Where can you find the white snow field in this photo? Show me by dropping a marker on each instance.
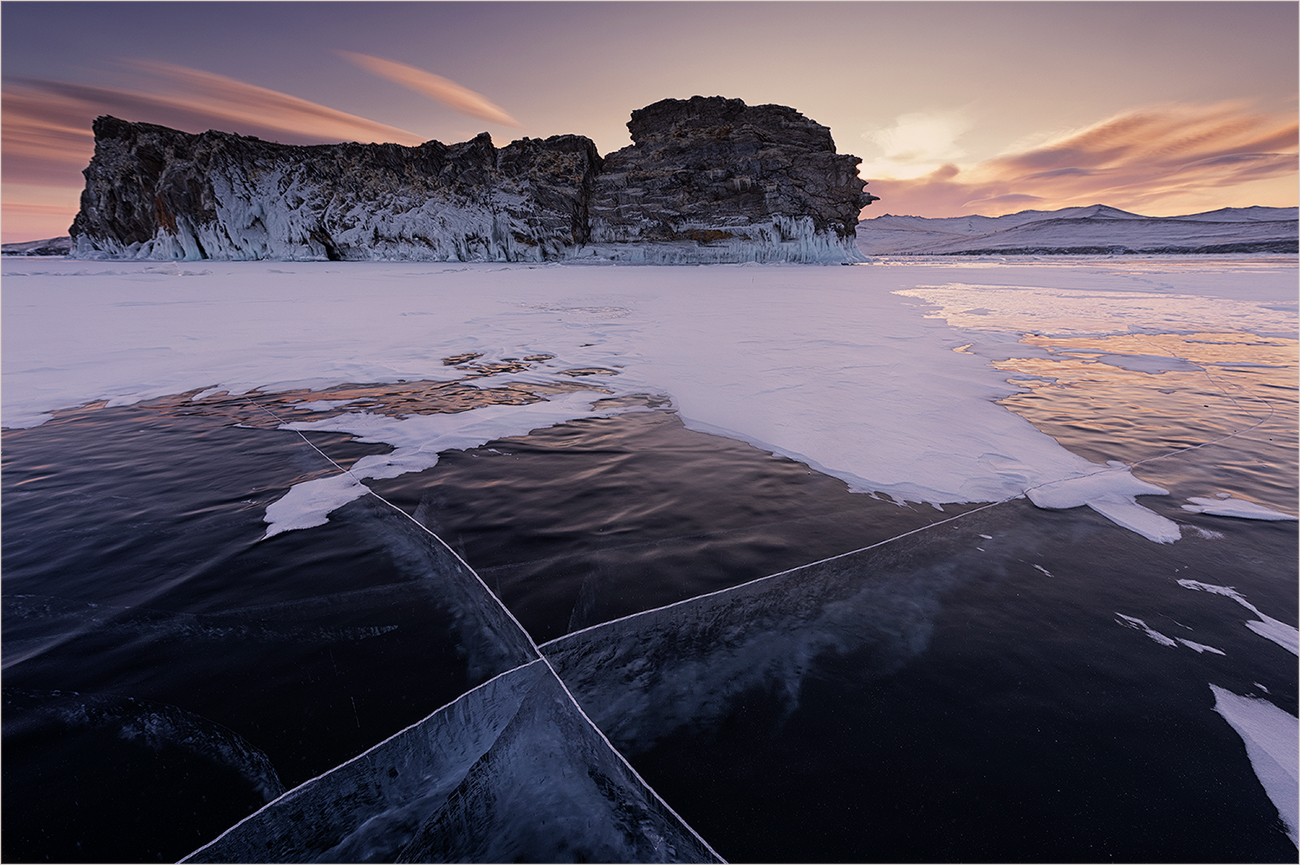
(866, 373)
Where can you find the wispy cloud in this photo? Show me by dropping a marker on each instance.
(916, 145)
(1159, 159)
(47, 138)
(198, 100)
(436, 87)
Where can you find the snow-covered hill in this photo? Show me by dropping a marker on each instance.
(1083, 230)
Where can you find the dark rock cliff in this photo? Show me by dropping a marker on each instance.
(706, 179)
(716, 171)
(154, 192)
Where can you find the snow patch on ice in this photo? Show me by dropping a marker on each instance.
(1267, 627)
(1139, 625)
(1272, 740)
(1199, 648)
(825, 365)
(1234, 507)
(1110, 493)
(310, 503)
(417, 441)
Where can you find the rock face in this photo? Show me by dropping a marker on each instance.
(706, 180)
(154, 192)
(711, 178)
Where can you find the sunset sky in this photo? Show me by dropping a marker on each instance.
(1160, 108)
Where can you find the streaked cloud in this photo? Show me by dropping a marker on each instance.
(1158, 160)
(36, 211)
(47, 140)
(196, 100)
(435, 87)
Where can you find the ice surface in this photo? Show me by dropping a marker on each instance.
(645, 676)
(511, 771)
(825, 365)
(156, 726)
(1272, 740)
(551, 789)
(418, 439)
(1267, 627)
(1234, 507)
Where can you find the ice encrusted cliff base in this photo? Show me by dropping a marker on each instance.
(706, 180)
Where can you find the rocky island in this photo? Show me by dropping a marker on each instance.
(706, 180)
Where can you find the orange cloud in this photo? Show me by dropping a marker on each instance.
(239, 103)
(45, 130)
(1160, 160)
(436, 87)
(36, 213)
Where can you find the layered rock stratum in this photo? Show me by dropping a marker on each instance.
(705, 180)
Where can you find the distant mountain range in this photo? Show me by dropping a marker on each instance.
(1094, 230)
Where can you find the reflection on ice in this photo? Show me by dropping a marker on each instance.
(1063, 310)
(511, 771)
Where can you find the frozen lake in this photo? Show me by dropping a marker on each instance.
(912, 560)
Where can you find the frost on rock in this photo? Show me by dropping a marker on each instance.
(511, 771)
(707, 180)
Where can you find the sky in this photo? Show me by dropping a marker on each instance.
(955, 108)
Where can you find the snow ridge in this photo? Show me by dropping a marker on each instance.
(1096, 229)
